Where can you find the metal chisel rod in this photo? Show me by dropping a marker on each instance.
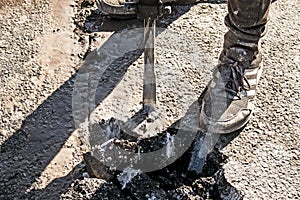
(149, 87)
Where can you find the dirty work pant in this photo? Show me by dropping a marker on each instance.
(246, 21)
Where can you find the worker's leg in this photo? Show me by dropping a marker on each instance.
(246, 21)
(228, 102)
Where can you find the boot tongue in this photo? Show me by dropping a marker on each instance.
(245, 57)
(239, 54)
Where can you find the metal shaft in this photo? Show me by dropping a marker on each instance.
(149, 87)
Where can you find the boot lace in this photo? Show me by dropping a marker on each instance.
(234, 77)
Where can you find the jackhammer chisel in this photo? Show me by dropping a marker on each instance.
(149, 85)
(149, 11)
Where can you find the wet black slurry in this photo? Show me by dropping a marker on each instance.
(173, 181)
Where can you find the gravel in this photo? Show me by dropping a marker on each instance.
(42, 46)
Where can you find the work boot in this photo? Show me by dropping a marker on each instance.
(228, 103)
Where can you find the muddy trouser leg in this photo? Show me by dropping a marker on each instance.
(246, 21)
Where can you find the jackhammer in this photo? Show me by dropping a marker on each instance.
(149, 11)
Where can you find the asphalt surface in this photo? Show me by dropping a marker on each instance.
(41, 50)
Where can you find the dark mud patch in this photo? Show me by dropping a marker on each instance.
(171, 182)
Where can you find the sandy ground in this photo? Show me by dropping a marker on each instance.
(42, 46)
